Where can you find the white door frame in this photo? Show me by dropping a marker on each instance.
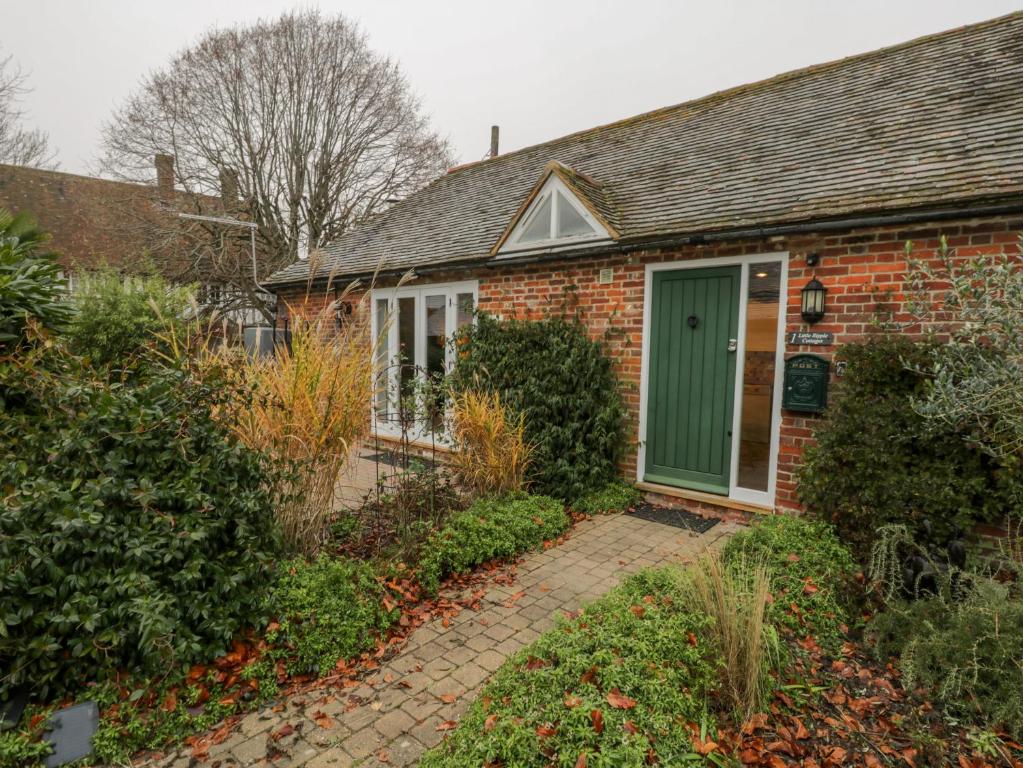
(763, 498)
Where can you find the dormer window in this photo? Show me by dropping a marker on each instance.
(554, 217)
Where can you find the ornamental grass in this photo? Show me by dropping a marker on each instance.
(310, 409)
(491, 454)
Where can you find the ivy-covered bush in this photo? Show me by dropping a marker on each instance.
(563, 384)
(134, 530)
(119, 319)
(811, 573)
(327, 609)
(490, 528)
(877, 461)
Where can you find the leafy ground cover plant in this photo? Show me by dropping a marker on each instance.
(136, 531)
(615, 496)
(489, 529)
(564, 386)
(491, 454)
(328, 609)
(613, 687)
(878, 461)
(810, 573)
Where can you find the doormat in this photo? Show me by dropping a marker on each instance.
(677, 518)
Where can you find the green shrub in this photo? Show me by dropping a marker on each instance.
(967, 653)
(563, 384)
(119, 319)
(489, 529)
(327, 609)
(31, 288)
(877, 461)
(134, 530)
(19, 751)
(635, 642)
(616, 496)
(810, 570)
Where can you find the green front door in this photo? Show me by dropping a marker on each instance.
(694, 320)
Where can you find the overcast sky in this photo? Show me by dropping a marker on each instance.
(537, 68)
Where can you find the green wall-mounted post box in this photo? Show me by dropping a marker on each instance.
(806, 383)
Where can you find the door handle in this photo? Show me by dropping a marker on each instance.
(733, 344)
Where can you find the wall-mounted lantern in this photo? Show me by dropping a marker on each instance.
(812, 308)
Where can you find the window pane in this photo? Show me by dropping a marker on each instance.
(758, 375)
(436, 341)
(464, 309)
(539, 225)
(382, 374)
(570, 223)
(406, 345)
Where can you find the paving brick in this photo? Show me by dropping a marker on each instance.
(394, 724)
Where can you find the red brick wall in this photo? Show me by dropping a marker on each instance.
(861, 269)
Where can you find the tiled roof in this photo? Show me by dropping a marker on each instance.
(933, 122)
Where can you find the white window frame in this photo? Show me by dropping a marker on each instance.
(419, 293)
(735, 493)
(512, 244)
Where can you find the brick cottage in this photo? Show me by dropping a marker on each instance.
(689, 239)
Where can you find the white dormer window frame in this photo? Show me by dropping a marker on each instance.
(554, 193)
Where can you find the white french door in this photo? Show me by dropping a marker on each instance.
(414, 327)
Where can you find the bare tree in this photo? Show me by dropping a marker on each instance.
(19, 145)
(294, 123)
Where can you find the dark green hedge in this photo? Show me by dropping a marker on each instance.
(133, 529)
(877, 461)
(564, 384)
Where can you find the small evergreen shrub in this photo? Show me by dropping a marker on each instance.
(328, 609)
(966, 652)
(490, 528)
(810, 573)
(613, 687)
(616, 496)
(31, 288)
(135, 532)
(564, 386)
(119, 319)
(19, 751)
(877, 461)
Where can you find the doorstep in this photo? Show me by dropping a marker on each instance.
(708, 499)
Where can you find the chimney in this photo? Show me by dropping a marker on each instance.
(495, 132)
(165, 175)
(229, 187)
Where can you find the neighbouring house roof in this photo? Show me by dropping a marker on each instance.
(95, 222)
(934, 122)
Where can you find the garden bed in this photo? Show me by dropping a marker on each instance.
(637, 679)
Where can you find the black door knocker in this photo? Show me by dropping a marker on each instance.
(693, 321)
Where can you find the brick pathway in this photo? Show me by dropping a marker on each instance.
(441, 669)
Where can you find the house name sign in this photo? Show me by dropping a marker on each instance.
(812, 338)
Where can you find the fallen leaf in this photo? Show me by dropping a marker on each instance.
(490, 722)
(449, 698)
(581, 762)
(171, 702)
(323, 720)
(597, 719)
(638, 611)
(546, 731)
(286, 730)
(383, 756)
(618, 701)
(629, 727)
(447, 725)
(572, 701)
